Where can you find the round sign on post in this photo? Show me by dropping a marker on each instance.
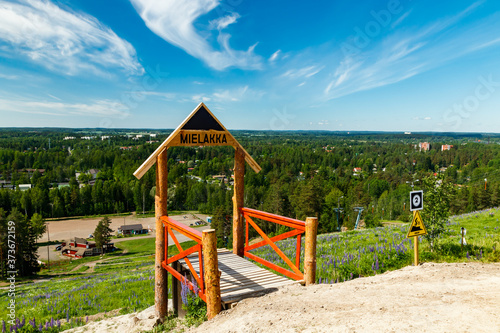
(416, 200)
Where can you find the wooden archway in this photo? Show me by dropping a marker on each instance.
(200, 128)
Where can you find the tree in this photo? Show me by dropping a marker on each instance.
(437, 197)
(102, 233)
(37, 225)
(23, 245)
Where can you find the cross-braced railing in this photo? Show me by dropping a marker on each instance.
(299, 227)
(169, 225)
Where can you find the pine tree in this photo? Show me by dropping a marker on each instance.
(102, 232)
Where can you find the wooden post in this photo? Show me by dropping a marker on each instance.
(310, 250)
(161, 277)
(177, 290)
(415, 244)
(211, 272)
(238, 227)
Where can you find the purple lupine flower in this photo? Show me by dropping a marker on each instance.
(184, 291)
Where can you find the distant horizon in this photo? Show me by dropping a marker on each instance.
(104, 129)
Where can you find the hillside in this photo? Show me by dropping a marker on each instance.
(457, 297)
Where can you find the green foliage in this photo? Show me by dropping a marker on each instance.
(37, 224)
(437, 197)
(372, 221)
(102, 232)
(18, 244)
(196, 310)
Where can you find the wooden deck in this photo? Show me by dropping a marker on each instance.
(240, 278)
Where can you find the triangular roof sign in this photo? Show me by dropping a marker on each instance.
(200, 128)
(417, 227)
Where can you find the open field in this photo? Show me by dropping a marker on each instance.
(65, 229)
(122, 282)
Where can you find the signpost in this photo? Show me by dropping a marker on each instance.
(417, 227)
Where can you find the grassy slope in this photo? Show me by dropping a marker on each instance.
(125, 281)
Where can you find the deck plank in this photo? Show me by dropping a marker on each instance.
(241, 278)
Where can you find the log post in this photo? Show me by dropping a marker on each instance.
(161, 277)
(310, 250)
(211, 272)
(238, 226)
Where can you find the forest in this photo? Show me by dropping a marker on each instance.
(49, 172)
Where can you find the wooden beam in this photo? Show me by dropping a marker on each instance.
(174, 135)
(310, 250)
(190, 138)
(161, 276)
(238, 228)
(212, 274)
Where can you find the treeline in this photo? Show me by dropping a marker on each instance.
(303, 174)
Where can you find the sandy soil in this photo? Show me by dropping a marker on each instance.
(66, 229)
(462, 297)
(129, 323)
(429, 298)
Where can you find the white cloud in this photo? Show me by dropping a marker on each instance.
(274, 56)
(202, 98)
(9, 77)
(407, 53)
(238, 94)
(63, 41)
(99, 108)
(304, 72)
(223, 22)
(174, 22)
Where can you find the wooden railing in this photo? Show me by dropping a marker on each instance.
(169, 225)
(298, 228)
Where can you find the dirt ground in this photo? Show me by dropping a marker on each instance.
(66, 229)
(460, 297)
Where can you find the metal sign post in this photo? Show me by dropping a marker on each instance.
(417, 227)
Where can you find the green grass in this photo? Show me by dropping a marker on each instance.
(344, 256)
(125, 279)
(122, 281)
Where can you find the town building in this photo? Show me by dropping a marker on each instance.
(425, 146)
(132, 229)
(80, 247)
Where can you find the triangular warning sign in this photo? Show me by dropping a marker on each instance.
(417, 227)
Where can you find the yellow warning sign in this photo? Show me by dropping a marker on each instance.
(417, 227)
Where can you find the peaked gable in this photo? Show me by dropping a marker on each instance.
(200, 128)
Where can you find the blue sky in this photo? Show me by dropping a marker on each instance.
(280, 65)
